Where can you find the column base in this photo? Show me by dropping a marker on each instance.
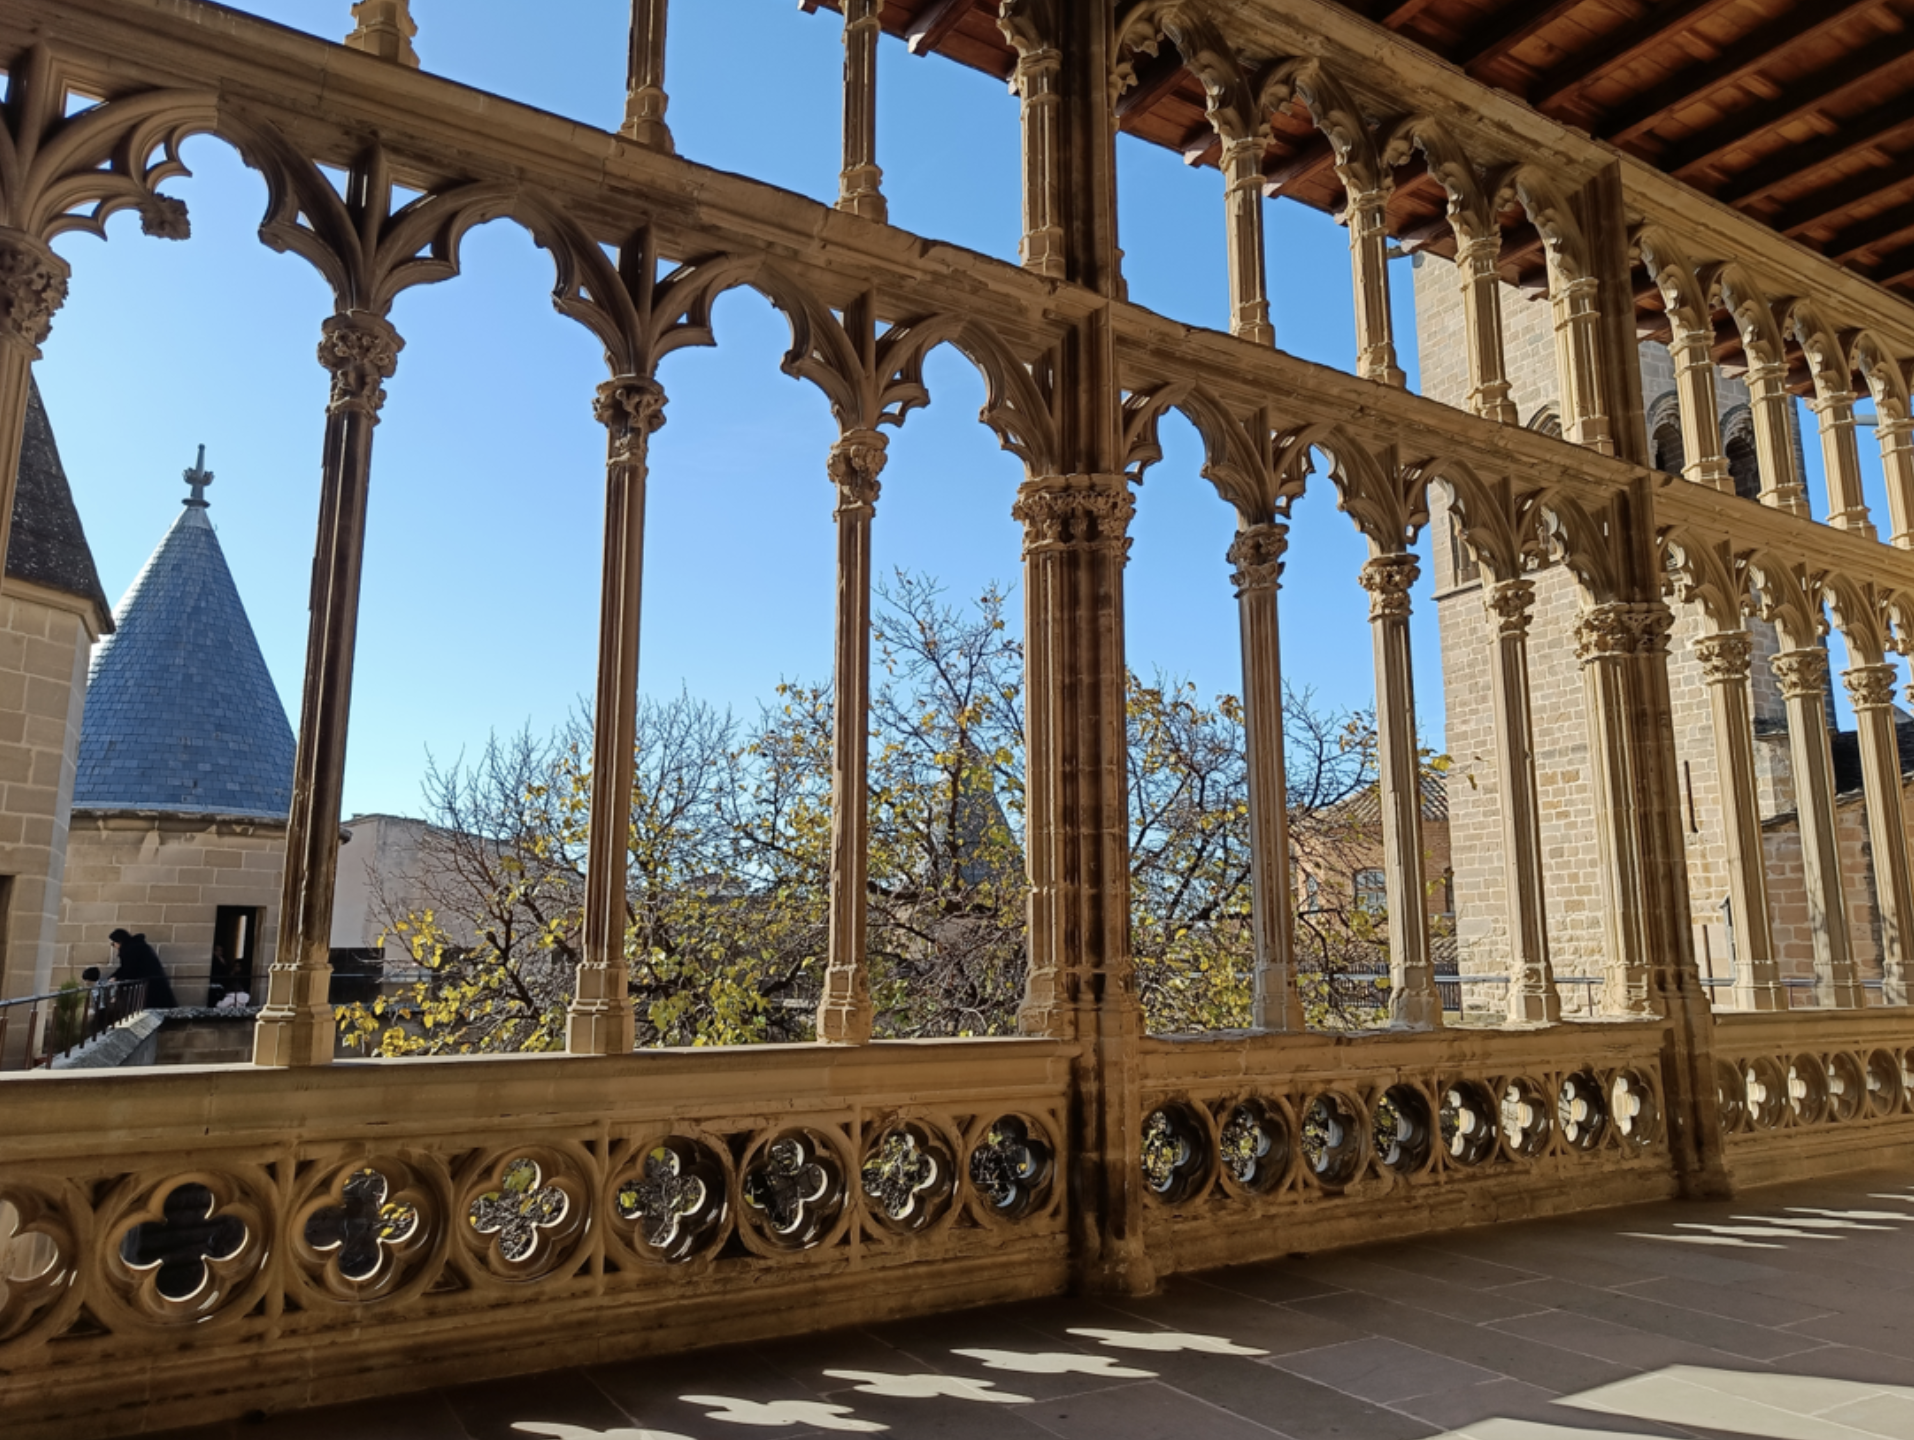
(844, 1024)
(600, 1027)
(1409, 1010)
(1535, 1007)
(1767, 997)
(288, 1038)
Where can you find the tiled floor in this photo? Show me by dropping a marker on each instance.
(1786, 1315)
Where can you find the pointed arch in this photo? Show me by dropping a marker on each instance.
(1502, 525)
(1708, 573)
(1389, 502)
(1238, 454)
(1017, 405)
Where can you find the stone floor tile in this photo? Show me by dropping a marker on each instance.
(650, 1391)
(1655, 1317)
(1773, 1405)
(1205, 1310)
(1295, 1406)
(1144, 1412)
(1439, 1297)
(1436, 1261)
(1891, 1416)
(1511, 1400)
(406, 1417)
(491, 1409)
(1383, 1371)
(1619, 1344)
(1275, 1281)
(1741, 1304)
(1852, 1362)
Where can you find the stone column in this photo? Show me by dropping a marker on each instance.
(1369, 252)
(1476, 258)
(386, 29)
(1533, 998)
(1039, 66)
(860, 186)
(645, 98)
(1725, 663)
(1896, 435)
(1257, 556)
(1771, 408)
(1871, 687)
(630, 408)
(1841, 457)
(844, 1009)
(1607, 637)
(1700, 412)
(33, 287)
(1578, 361)
(1414, 1001)
(361, 350)
(1248, 281)
(1803, 676)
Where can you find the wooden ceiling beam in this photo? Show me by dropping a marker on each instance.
(1860, 133)
(1814, 91)
(1308, 161)
(1156, 77)
(1894, 268)
(1625, 43)
(1507, 29)
(1393, 16)
(1870, 232)
(1743, 58)
(1823, 204)
(934, 23)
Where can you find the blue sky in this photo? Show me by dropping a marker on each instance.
(481, 585)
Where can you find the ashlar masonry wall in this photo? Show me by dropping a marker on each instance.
(1564, 782)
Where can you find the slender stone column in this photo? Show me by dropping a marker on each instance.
(601, 1021)
(844, 1010)
(1414, 1001)
(1896, 435)
(1841, 458)
(1803, 676)
(1257, 556)
(1771, 408)
(1369, 253)
(860, 186)
(1725, 665)
(1035, 80)
(296, 1027)
(1578, 361)
(1076, 544)
(645, 98)
(1248, 281)
(33, 287)
(1607, 638)
(1871, 687)
(1700, 412)
(1476, 259)
(1533, 998)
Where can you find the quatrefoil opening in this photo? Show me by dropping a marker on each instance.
(366, 1230)
(1580, 1111)
(1176, 1153)
(1010, 1167)
(32, 1265)
(184, 1250)
(1526, 1121)
(1467, 1121)
(1253, 1145)
(1404, 1131)
(906, 1178)
(795, 1190)
(520, 1215)
(1335, 1142)
(1632, 1108)
(1731, 1093)
(674, 1200)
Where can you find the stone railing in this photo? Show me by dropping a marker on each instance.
(1808, 1092)
(1266, 1146)
(405, 1221)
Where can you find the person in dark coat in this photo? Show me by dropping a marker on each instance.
(139, 961)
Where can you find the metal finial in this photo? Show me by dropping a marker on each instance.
(199, 477)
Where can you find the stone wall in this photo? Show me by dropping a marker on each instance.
(1571, 857)
(46, 641)
(166, 877)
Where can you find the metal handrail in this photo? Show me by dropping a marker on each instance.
(60, 1021)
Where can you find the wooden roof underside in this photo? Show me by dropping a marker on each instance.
(1799, 113)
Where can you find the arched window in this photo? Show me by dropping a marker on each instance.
(1547, 421)
(1664, 427)
(1737, 443)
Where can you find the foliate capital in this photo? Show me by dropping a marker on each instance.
(1870, 687)
(1802, 674)
(361, 350)
(1075, 512)
(33, 286)
(1617, 630)
(1726, 657)
(632, 408)
(1512, 603)
(1257, 555)
(857, 460)
(1388, 579)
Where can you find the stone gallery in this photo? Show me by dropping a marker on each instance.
(1642, 933)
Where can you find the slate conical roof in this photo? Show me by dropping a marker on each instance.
(181, 713)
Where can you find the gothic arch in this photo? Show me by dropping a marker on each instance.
(1664, 432)
(1016, 407)
(1388, 501)
(1731, 288)
(1237, 457)
(1502, 525)
(1470, 213)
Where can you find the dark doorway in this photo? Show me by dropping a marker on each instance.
(235, 938)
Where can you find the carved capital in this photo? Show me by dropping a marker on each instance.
(1388, 579)
(1257, 555)
(1617, 630)
(1725, 657)
(362, 352)
(1802, 674)
(1075, 512)
(1512, 603)
(856, 462)
(33, 284)
(1870, 687)
(632, 409)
